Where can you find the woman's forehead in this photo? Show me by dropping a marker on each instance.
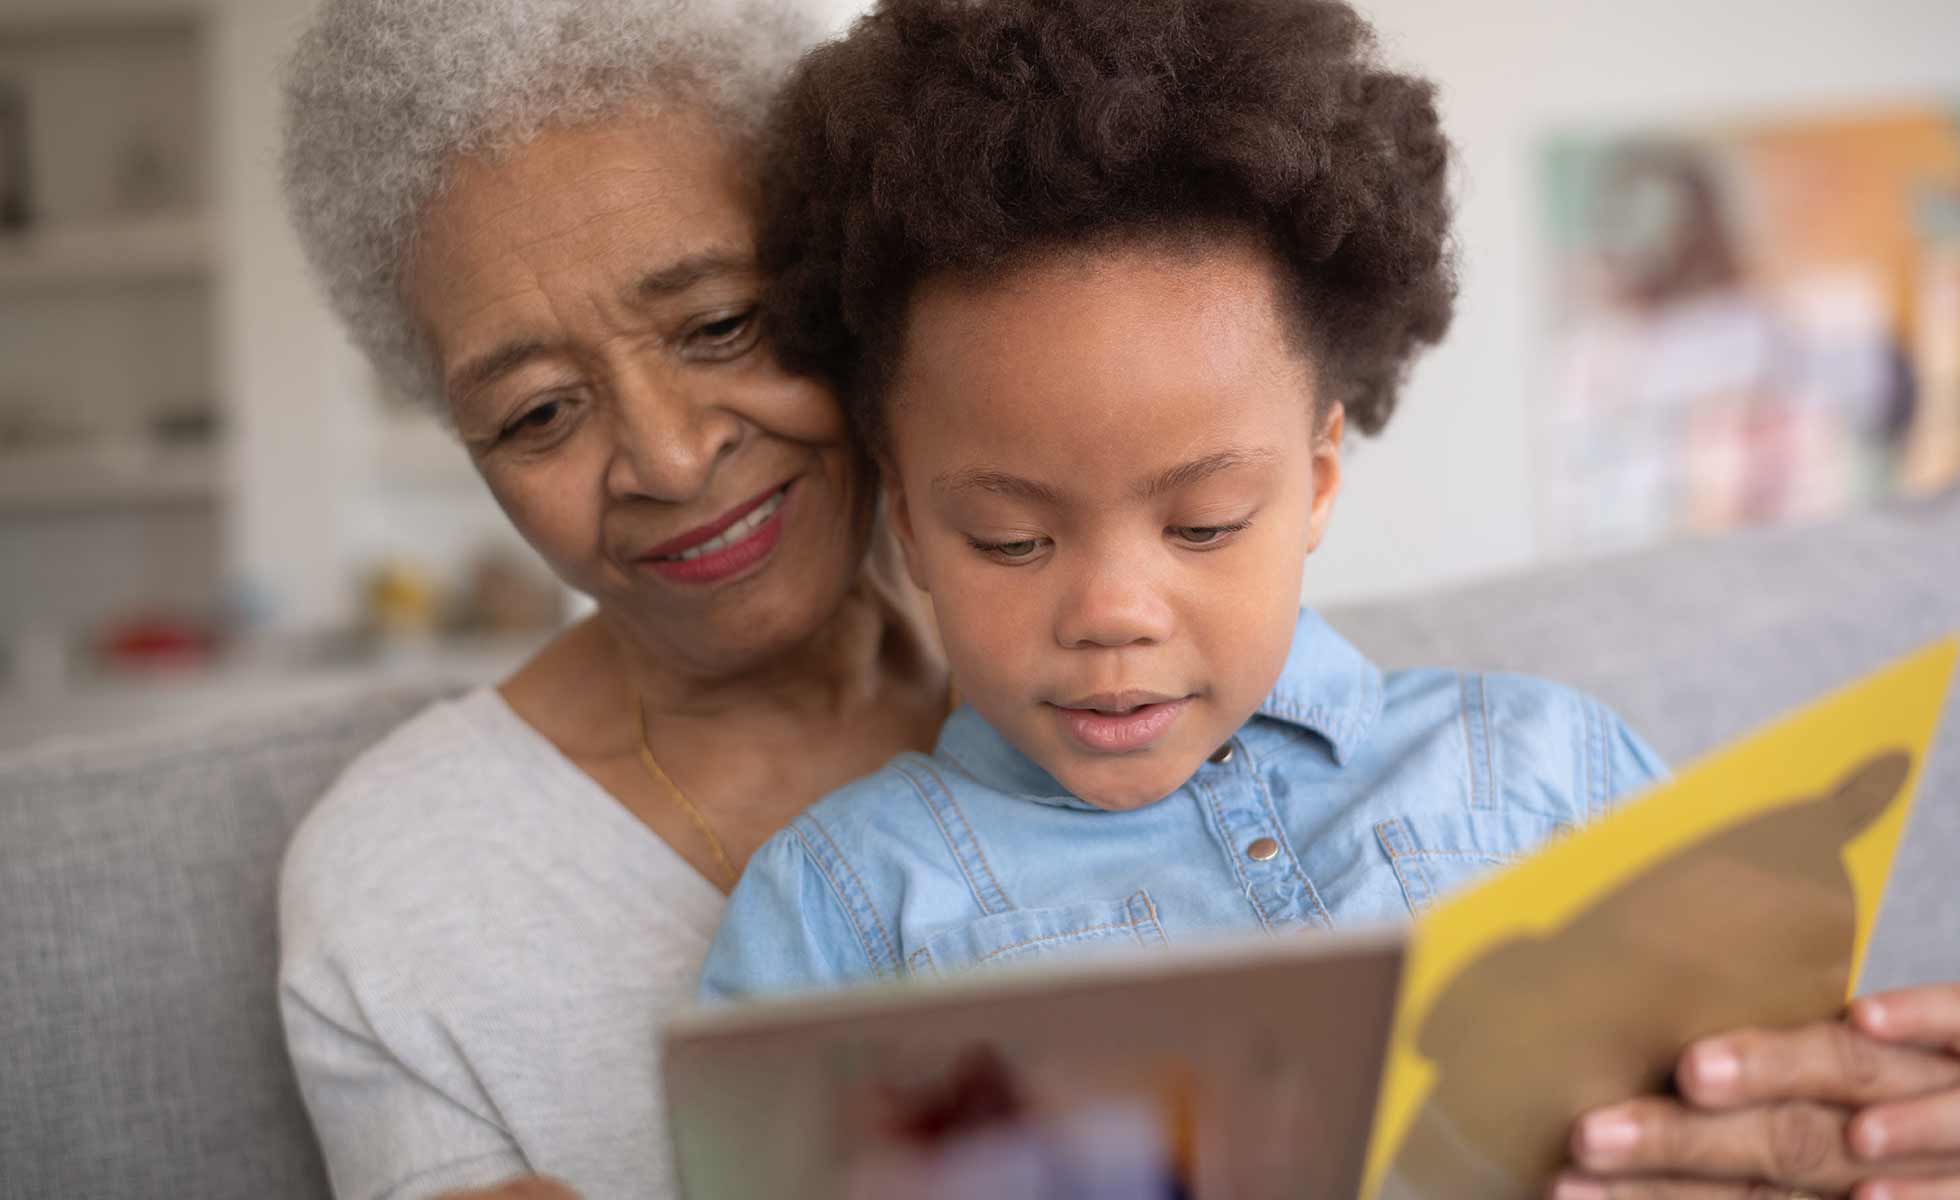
(579, 228)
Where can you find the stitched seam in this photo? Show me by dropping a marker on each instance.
(1596, 802)
(1336, 726)
(1389, 832)
(1479, 856)
(1224, 834)
(979, 851)
(1286, 735)
(1469, 743)
(923, 955)
(1605, 758)
(1232, 856)
(1382, 832)
(837, 890)
(1292, 859)
(1065, 935)
(891, 952)
(1150, 906)
(1591, 743)
(932, 809)
(1416, 858)
(1408, 891)
(1428, 880)
(1490, 763)
(1582, 765)
(1584, 781)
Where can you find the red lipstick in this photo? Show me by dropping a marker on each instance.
(727, 546)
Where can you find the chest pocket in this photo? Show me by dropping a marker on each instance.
(1435, 854)
(1027, 934)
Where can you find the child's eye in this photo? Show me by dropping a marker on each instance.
(1009, 552)
(1205, 535)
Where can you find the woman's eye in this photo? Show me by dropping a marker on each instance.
(538, 419)
(725, 337)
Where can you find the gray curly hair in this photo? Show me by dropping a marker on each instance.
(384, 96)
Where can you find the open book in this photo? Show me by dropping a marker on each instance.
(1448, 1059)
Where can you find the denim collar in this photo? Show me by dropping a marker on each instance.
(1327, 688)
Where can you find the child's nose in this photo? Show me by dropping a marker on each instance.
(1110, 606)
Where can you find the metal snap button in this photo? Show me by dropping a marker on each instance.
(1222, 755)
(1263, 850)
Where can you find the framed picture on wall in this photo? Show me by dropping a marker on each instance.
(1752, 323)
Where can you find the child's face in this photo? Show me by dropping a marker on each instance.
(1107, 475)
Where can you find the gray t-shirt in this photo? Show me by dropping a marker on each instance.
(477, 945)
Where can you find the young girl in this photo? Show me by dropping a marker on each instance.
(1115, 277)
(1107, 281)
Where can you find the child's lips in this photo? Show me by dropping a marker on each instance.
(1120, 724)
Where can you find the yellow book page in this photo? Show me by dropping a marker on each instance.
(1741, 892)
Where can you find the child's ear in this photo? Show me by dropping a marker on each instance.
(898, 510)
(1326, 473)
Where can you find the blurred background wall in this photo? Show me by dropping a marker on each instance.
(1450, 490)
(203, 503)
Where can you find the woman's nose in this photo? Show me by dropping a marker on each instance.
(1112, 604)
(668, 439)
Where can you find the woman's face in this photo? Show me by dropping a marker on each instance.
(592, 300)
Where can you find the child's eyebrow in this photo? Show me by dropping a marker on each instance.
(1199, 469)
(1183, 475)
(1000, 483)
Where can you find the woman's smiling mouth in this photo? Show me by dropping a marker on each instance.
(726, 547)
(1119, 723)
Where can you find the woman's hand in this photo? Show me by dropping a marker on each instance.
(1868, 1106)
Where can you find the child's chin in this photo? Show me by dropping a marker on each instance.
(1123, 795)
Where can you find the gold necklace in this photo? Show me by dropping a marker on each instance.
(687, 806)
(673, 789)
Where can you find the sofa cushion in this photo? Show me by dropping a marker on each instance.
(1700, 641)
(140, 1047)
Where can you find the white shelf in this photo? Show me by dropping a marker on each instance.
(244, 684)
(174, 246)
(106, 478)
(78, 19)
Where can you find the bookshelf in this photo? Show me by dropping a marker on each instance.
(104, 253)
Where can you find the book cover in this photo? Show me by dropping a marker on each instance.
(1742, 892)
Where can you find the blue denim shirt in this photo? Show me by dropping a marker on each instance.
(1352, 796)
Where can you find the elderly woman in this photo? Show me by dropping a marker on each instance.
(538, 217)
(535, 216)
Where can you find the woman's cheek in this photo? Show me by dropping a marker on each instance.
(796, 408)
(555, 516)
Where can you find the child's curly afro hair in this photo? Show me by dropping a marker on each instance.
(963, 135)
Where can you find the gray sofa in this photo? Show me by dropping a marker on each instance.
(140, 1052)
